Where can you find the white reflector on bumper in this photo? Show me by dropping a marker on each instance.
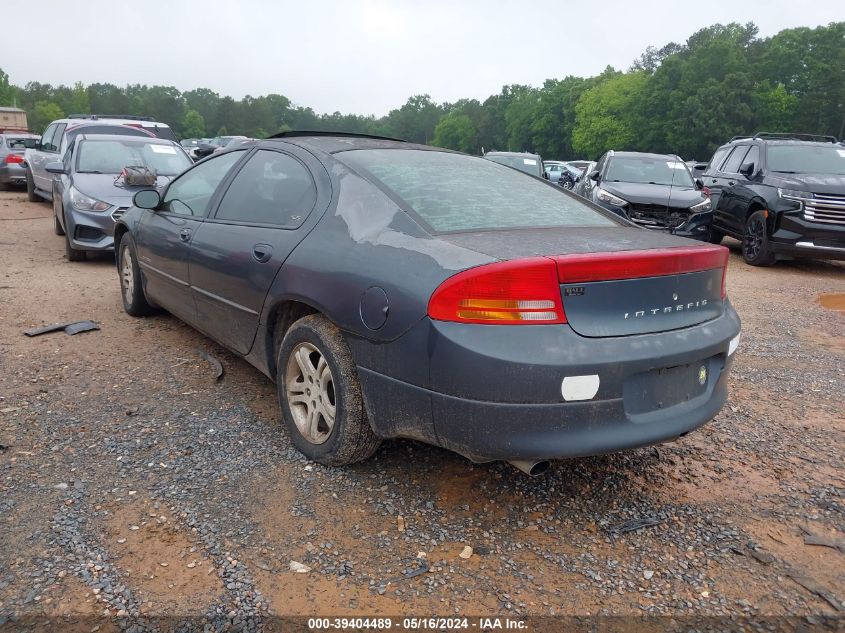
(579, 387)
(733, 344)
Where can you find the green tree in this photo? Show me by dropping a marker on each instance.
(42, 114)
(6, 91)
(606, 117)
(456, 131)
(222, 131)
(193, 125)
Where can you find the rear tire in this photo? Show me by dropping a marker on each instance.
(320, 396)
(30, 188)
(4, 186)
(131, 289)
(756, 250)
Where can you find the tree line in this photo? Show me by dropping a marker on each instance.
(680, 98)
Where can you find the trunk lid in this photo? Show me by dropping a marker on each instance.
(619, 282)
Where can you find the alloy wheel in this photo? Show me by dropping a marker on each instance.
(127, 275)
(755, 233)
(310, 393)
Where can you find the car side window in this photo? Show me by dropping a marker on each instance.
(68, 157)
(753, 156)
(271, 188)
(56, 143)
(716, 161)
(734, 161)
(47, 137)
(190, 193)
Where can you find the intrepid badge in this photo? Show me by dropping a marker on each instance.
(692, 305)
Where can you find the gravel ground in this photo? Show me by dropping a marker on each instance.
(133, 485)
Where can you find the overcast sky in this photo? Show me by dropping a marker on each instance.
(360, 56)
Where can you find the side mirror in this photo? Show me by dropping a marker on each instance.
(699, 167)
(699, 184)
(577, 178)
(147, 199)
(747, 170)
(594, 175)
(546, 175)
(55, 168)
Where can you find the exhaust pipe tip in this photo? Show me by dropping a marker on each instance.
(530, 467)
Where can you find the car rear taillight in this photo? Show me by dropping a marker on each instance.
(527, 291)
(13, 158)
(588, 267)
(515, 292)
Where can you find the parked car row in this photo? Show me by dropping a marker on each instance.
(398, 290)
(79, 165)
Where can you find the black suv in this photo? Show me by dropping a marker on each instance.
(782, 195)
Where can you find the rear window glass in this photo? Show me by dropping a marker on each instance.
(454, 192)
(21, 143)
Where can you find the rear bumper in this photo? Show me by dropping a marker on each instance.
(499, 395)
(11, 173)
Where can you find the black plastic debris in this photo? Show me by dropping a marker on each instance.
(74, 327)
(218, 366)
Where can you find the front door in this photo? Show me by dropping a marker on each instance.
(165, 234)
(237, 252)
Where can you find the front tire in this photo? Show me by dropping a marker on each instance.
(320, 396)
(30, 188)
(715, 236)
(57, 226)
(131, 289)
(72, 254)
(756, 250)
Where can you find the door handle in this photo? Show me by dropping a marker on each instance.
(262, 253)
(185, 235)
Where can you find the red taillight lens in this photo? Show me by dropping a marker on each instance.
(633, 264)
(13, 158)
(516, 292)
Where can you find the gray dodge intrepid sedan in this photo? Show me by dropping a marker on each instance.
(398, 290)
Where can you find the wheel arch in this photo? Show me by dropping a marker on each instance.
(281, 316)
(758, 204)
(120, 230)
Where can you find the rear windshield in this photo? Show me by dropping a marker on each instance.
(807, 159)
(653, 171)
(110, 157)
(20, 143)
(528, 164)
(454, 192)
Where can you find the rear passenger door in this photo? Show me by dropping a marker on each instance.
(728, 177)
(237, 252)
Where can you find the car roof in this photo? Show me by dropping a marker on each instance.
(335, 144)
(20, 134)
(124, 137)
(512, 154)
(116, 120)
(644, 155)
